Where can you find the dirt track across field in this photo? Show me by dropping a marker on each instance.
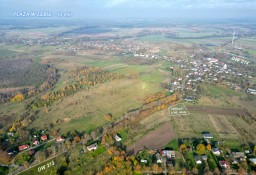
(154, 140)
(217, 110)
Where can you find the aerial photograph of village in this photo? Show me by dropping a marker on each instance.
(128, 87)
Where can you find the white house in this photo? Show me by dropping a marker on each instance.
(117, 138)
(92, 147)
(143, 161)
(158, 158)
(198, 160)
(253, 160)
(216, 151)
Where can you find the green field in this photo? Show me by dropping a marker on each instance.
(252, 52)
(173, 144)
(6, 53)
(247, 42)
(218, 91)
(234, 130)
(206, 41)
(155, 38)
(115, 97)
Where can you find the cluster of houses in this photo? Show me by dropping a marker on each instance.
(223, 159)
(233, 158)
(160, 157)
(119, 47)
(37, 140)
(35, 143)
(210, 69)
(227, 158)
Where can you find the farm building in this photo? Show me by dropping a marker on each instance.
(207, 136)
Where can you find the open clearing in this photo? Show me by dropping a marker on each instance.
(223, 123)
(155, 139)
(224, 126)
(85, 110)
(216, 110)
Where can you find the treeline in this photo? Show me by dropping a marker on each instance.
(92, 75)
(83, 78)
(7, 93)
(153, 97)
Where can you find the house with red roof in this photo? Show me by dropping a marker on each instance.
(44, 137)
(60, 139)
(23, 147)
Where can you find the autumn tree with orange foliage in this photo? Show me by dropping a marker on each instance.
(77, 139)
(18, 98)
(120, 163)
(183, 148)
(208, 147)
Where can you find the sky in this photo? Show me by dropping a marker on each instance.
(134, 9)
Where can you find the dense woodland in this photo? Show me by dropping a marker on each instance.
(21, 72)
(24, 76)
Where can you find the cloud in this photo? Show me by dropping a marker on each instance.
(135, 8)
(113, 3)
(182, 4)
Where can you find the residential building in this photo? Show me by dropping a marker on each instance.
(44, 137)
(23, 147)
(118, 139)
(92, 147)
(224, 164)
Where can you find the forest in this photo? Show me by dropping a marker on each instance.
(21, 72)
(24, 76)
